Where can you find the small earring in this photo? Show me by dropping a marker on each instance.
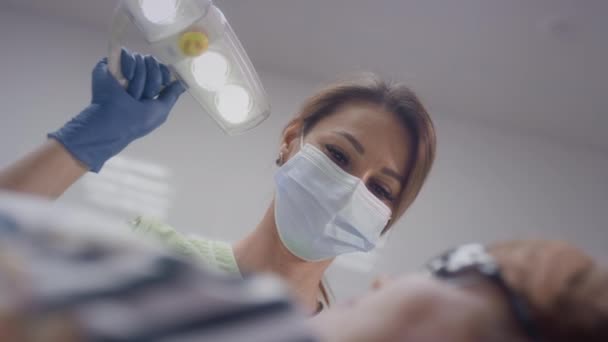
(279, 160)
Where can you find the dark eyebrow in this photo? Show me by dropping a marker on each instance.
(356, 144)
(394, 174)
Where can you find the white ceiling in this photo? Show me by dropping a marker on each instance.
(536, 66)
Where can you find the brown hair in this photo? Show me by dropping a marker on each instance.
(393, 97)
(566, 289)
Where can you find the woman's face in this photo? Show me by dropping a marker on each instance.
(367, 142)
(422, 309)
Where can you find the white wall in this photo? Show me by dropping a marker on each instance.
(488, 183)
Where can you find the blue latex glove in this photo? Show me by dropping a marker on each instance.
(117, 116)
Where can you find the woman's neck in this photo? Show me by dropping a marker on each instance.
(263, 251)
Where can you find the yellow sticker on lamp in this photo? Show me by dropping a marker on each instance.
(193, 43)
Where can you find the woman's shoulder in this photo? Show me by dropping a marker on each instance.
(213, 253)
(164, 233)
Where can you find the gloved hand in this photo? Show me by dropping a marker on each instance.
(117, 116)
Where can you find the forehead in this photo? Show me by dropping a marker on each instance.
(383, 134)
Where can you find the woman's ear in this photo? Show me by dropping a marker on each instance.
(291, 137)
(283, 151)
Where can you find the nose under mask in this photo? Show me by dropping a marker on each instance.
(321, 211)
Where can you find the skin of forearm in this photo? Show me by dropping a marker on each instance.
(47, 171)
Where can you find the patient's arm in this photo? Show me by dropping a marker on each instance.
(47, 171)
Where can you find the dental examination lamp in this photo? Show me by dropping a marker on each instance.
(195, 40)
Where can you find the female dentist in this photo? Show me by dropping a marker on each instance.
(350, 163)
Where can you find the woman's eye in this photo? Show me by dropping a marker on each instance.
(381, 192)
(337, 156)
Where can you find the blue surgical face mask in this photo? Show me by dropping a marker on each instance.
(321, 211)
